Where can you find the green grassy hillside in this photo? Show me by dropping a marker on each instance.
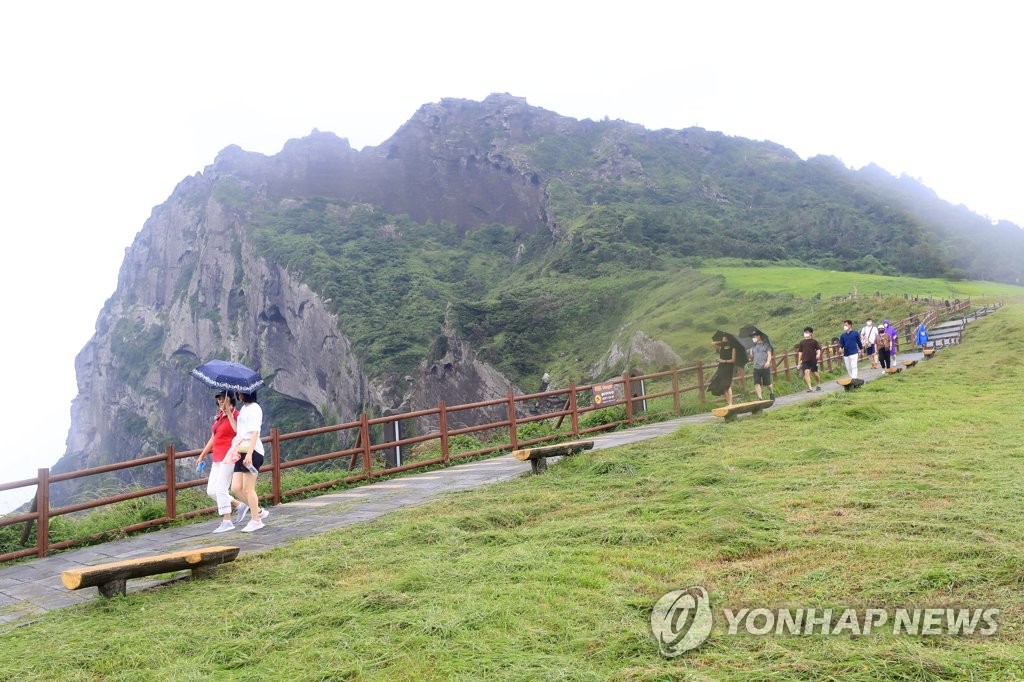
(903, 494)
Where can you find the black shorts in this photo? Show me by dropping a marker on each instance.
(809, 364)
(257, 461)
(763, 376)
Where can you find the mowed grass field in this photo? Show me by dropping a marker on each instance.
(807, 282)
(906, 493)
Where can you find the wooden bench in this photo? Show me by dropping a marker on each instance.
(538, 456)
(893, 370)
(112, 578)
(928, 353)
(730, 412)
(847, 383)
(909, 363)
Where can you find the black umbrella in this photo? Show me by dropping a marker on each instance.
(733, 341)
(747, 331)
(228, 376)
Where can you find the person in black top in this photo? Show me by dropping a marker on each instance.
(728, 351)
(808, 355)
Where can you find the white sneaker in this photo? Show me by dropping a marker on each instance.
(224, 527)
(264, 513)
(243, 509)
(253, 524)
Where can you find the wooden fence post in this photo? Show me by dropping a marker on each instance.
(513, 436)
(275, 465)
(364, 432)
(43, 508)
(785, 364)
(442, 426)
(171, 479)
(677, 408)
(627, 390)
(700, 381)
(574, 414)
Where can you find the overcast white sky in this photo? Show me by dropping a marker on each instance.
(108, 105)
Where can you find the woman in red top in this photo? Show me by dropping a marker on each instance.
(219, 483)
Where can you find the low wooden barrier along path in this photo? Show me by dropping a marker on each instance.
(111, 579)
(537, 457)
(731, 411)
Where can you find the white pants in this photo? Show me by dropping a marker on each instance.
(219, 485)
(851, 365)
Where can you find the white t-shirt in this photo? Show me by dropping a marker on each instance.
(250, 420)
(869, 334)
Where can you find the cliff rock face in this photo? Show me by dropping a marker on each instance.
(192, 288)
(456, 376)
(639, 352)
(447, 163)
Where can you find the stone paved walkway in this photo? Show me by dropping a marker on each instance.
(34, 587)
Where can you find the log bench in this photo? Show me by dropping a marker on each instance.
(928, 353)
(893, 370)
(909, 363)
(112, 578)
(538, 456)
(847, 383)
(730, 412)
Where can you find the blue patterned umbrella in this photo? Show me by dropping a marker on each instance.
(228, 376)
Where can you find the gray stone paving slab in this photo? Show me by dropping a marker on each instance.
(57, 599)
(30, 591)
(33, 587)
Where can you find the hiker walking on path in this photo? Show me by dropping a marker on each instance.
(850, 346)
(247, 454)
(894, 344)
(884, 343)
(868, 336)
(728, 350)
(224, 429)
(762, 353)
(921, 336)
(808, 355)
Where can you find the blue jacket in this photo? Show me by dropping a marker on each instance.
(922, 336)
(850, 343)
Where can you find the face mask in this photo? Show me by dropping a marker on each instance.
(806, 335)
(845, 328)
(869, 323)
